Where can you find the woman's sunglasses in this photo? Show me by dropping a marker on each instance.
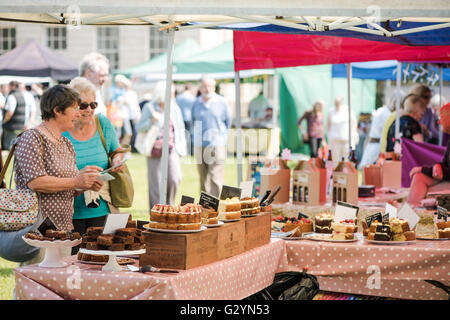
(85, 105)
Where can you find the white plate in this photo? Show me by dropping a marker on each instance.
(213, 225)
(119, 261)
(230, 220)
(174, 231)
(326, 237)
(434, 239)
(52, 244)
(390, 243)
(112, 253)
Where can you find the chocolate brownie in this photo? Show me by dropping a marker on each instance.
(94, 231)
(92, 245)
(95, 258)
(134, 246)
(105, 239)
(126, 232)
(132, 224)
(117, 247)
(125, 240)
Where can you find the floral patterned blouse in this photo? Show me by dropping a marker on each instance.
(58, 160)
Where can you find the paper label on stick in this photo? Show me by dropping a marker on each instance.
(408, 214)
(115, 221)
(247, 189)
(208, 201)
(345, 211)
(391, 211)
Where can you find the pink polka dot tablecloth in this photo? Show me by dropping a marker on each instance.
(397, 271)
(233, 278)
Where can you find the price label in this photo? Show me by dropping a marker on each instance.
(374, 217)
(408, 214)
(209, 201)
(442, 213)
(345, 211)
(247, 189)
(230, 192)
(115, 221)
(186, 199)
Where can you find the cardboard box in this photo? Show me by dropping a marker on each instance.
(309, 183)
(345, 183)
(391, 174)
(372, 176)
(230, 239)
(274, 173)
(257, 230)
(180, 251)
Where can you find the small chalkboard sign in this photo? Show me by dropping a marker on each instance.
(386, 218)
(141, 224)
(230, 192)
(442, 213)
(45, 225)
(374, 217)
(208, 201)
(186, 199)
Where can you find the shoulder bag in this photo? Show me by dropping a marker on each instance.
(121, 188)
(145, 140)
(19, 214)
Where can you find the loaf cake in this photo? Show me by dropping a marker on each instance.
(229, 209)
(186, 217)
(250, 206)
(322, 223)
(209, 216)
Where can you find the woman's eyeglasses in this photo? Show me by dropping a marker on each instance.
(85, 105)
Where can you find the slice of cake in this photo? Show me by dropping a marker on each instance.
(426, 227)
(382, 232)
(323, 223)
(250, 206)
(229, 209)
(306, 225)
(343, 230)
(209, 216)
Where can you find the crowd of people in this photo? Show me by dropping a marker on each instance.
(61, 156)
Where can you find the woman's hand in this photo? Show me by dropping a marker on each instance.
(414, 171)
(437, 172)
(116, 160)
(98, 184)
(87, 177)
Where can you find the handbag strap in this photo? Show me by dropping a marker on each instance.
(100, 132)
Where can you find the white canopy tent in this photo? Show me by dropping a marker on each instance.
(178, 15)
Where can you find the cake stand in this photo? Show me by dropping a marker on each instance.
(53, 257)
(112, 264)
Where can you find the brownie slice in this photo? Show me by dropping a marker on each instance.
(132, 224)
(125, 240)
(94, 231)
(105, 239)
(126, 232)
(134, 246)
(117, 247)
(92, 245)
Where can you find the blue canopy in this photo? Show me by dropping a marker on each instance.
(387, 70)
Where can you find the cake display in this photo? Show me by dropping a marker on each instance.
(209, 216)
(343, 230)
(53, 235)
(250, 206)
(286, 224)
(323, 223)
(122, 240)
(396, 230)
(187, 217)
(229, 209)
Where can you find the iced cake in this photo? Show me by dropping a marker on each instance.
(186, 217)
(323, 223)
(229, 209)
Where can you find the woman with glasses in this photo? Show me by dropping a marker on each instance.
(90, 210)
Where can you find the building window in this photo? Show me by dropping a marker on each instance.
(108, 45)
(7, 39)
(158, 42)
(57, 38)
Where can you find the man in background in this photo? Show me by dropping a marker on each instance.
(211, 118)
(15, 114)
(95, 67)
(185, 101)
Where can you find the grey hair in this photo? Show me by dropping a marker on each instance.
(435, 100)
(82, 86)
(207, 78)
(92, 62)
(159, 92)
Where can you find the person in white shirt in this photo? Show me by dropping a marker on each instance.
(372, 149)
(95, 67)
(30, 106)
(338, 136)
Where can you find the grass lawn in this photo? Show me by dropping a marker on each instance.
(190, 186)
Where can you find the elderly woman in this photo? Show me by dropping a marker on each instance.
(153, 115)
(89, 150)
(45, 160)
(425, 177)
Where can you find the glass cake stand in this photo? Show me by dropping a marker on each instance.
(112, 264)
(53, 257)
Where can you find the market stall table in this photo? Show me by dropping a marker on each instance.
(233, 278)
(396, 271)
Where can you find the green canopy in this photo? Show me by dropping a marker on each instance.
(158, 64)
(300, 87)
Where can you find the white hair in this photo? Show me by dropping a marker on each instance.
(436, 100)
(92, 61)
(159, 92)
(82, 86)
(207, 78)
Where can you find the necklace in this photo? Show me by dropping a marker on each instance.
(51, 132)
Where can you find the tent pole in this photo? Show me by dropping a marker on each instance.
(349, 94)
(168, 99)
(237, 84)
(441, 83)
(397, 103)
